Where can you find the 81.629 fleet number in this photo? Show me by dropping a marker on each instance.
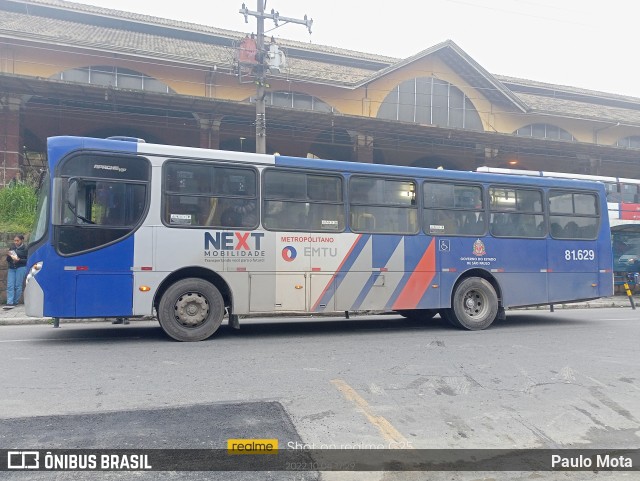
(579, 255)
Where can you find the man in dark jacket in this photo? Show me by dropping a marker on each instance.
(17, 261)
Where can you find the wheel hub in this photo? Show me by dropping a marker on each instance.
(191, 309)
(473, 303)
(469, 303)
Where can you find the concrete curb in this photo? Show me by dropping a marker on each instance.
(582, 305)
(17, 321)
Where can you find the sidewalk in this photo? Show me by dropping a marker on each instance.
(18, 316)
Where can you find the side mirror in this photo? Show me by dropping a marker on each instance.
(72, 192)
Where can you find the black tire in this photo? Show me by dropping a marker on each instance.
(191, 310)
(448, 316)
(418, 314)
(474, 305)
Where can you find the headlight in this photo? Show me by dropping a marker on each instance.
(34, 270)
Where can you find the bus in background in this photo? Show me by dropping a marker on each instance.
(130, 229)
(623, 203)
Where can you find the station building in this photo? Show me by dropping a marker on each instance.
(73, 69)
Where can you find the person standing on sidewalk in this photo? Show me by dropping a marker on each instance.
(17, 261)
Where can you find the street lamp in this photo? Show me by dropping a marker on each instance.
(242, 139)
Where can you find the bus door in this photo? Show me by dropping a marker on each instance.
(280, 283)
(282, 278)
(573, 264)
(92, 232)
(517, 255)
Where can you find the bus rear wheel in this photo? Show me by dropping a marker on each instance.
(191, 310)
(474, 305)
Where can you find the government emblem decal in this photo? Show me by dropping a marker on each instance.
(478, 248)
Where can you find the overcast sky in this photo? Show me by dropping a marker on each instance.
(592, 45)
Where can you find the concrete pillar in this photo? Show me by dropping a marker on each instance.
(209, 131)
(9, 138)
(362, 148)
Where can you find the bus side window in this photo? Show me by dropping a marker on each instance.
(447, 219)
(501, 225)
(239, 206)
(473, 224)
(326, 217)
(528, 227)
(238, 213)
(588, 231)
(211, 212)
(452, 209)
(571, 230)
(556, 230)
(363, 222)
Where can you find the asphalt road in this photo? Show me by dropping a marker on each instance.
(567, 379)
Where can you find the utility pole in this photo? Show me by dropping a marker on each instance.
(262, 67)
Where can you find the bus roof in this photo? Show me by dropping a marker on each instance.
(469, 176)
(560, 175)
(64, 144)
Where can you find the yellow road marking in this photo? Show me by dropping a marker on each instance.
(391, 434)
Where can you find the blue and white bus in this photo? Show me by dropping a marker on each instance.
(131, 229)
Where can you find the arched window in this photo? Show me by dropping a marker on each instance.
(632, 142)
(428, 100)
(544, 131)
(296, 100)
(113, 77)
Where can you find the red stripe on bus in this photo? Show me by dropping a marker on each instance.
(419, 280)
(326, 288)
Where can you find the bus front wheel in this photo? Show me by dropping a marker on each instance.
(191, 310)
(474, 305)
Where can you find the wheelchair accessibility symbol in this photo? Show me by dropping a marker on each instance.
(443, 245)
